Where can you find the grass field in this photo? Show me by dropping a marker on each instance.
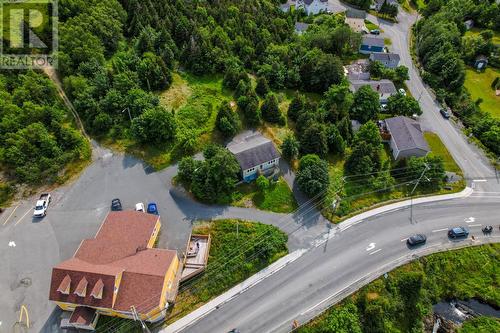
(357, 194)
(238, 250)
(371, 26)
(439, 149)
(277, 198)
(395, 307)
(194, 101)
(476, 31)
(479, 86)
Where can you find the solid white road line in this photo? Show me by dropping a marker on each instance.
(11, 213)
(375, 252)
(22, 217)
(438, 230)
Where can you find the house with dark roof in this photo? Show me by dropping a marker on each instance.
(116, 270)
(405, 137)
(384, 88)
(255, 154)
(371, 44)
(389, 60)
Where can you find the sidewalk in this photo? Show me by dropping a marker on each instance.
(204, 310)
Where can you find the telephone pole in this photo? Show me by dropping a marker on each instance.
(145, 329)
(413, 190)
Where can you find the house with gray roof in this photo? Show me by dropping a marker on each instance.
(255, 154)
(384, 88)
(310, 6)
(371, 44)
(389, 60)
(406, 138)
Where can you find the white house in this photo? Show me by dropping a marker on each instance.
(255, 154)
(311, 7)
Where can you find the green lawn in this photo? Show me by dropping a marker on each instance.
(194, 101)
(238, 250)
(479, 86)
(439, 149)
(358, 194)
(277, 198)
(476, 31)
(371, 26)
(401, 300)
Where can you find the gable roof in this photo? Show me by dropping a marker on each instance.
(373, 41)
(406, 133)
(117, 256)
(382, 87)
(384, 57)
(253, 151)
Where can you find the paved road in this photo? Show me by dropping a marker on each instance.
(350, 258)
(470, 159)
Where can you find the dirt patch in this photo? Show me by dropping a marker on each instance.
(177, 95)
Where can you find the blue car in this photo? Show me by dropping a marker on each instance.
(153, 209)
(458, 232)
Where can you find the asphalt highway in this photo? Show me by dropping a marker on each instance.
(348, 260)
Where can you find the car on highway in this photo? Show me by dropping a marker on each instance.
(116, 205)
(139, 207)
(234, 330)
(445, 113)
(458, 232)
(153, 208)
(375, 32)
(42, 204)
(416, 240)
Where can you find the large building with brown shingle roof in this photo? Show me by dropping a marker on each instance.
(116, 270)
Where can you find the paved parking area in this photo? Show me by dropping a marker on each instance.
(29, 248)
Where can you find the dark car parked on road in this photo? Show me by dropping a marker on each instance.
(445, 113)
(416, 240)
(116, 205)
(458, 232)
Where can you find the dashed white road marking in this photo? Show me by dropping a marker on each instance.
(475, 225)
(11, 213)
(370, 247)
(480, 180)
(470, 219)
(12, 244)
(438, 230)
(375, 252)
(22, 217)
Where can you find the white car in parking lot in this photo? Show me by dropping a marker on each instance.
(139, 207)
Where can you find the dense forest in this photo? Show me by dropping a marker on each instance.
(445, 52)
(37, 139)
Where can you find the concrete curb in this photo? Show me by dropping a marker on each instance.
(206, 309)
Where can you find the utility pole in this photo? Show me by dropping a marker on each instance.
(413, 190)
(128, 110)
(145, 329)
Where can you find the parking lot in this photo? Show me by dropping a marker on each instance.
(31, 246)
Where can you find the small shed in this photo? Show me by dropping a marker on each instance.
(481, 62)
(301, 27)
